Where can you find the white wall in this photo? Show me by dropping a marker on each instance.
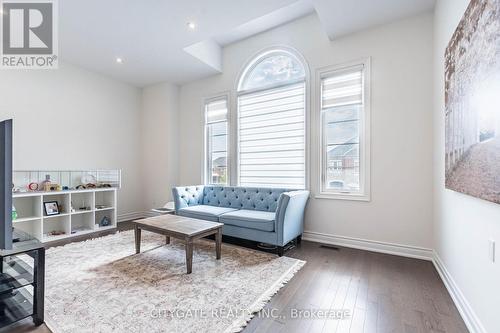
(159, 128)
(401, 207)
(463, 224)
(71, 118)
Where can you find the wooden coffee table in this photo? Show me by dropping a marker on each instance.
(183, 228)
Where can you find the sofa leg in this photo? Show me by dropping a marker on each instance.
(299, 239)
(281, 251)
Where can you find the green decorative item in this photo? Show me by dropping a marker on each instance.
(14, 213)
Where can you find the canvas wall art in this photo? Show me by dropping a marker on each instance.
(472, 99)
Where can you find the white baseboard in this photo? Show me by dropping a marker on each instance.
(132, 216)
(370, 245)
(468, 315)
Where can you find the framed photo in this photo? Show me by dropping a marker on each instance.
(51, 208)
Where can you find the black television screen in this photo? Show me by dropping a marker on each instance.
(6, 184)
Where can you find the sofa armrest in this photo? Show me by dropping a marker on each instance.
(185, 196)
(290, 215)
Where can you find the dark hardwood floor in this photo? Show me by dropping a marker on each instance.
(382, 293)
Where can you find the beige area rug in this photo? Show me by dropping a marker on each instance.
(100, 285)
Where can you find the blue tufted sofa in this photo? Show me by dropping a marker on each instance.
(268, 215)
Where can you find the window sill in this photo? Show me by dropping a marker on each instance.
(343, 196)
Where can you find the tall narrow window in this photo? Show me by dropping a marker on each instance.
(216, 111)
(344, 114)
(271, 122)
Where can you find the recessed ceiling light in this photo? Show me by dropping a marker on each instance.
(191, 25)
(119, 60)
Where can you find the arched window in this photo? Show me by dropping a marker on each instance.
(271, 121)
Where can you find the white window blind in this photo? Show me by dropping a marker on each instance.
(272, 137)
(216, 130)
(342, 108)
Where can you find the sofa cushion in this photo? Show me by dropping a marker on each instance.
(252, 219)
(204, 212)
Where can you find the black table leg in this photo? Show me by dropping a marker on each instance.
(137, 232)
(39, 277)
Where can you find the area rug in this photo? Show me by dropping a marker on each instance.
(101, 285)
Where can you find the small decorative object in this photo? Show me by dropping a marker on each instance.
(14, 213)
(104, 185)
(90, 185)
(33, 186)
(45, 185)
(56, 233)
(51, 208)
(65, 188)
(83, 206)
(105, 221)
(80, 187)
(54, 187)
(100, 206)
(88, 179)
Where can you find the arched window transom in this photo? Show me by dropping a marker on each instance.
(272, 68)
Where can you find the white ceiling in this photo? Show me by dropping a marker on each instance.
(156, 45)
(342, 17)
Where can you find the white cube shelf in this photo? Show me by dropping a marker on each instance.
(80, 212)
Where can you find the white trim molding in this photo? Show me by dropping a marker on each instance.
(364, 193)
(468, 315)
(370, 245)
(133, 216)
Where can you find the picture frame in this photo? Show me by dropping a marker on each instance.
(51, 208)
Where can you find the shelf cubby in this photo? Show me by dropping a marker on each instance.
(82, 223)
(32, 227)
(105, 199)
(56, 223)
(27, 208)
(99, 216)
(82, 201)
(63, 201)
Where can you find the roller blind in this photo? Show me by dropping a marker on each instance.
(216, 111)
(342, 88)
(272, 137)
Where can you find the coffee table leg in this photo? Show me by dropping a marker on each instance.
(218, 243)
(167, 240)
(189, 256)
(137, 232)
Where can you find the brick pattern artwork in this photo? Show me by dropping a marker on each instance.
(472, 99)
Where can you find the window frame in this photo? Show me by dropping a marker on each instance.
(206, 173)
(364, 134)
(253, 61)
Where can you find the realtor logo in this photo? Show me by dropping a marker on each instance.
(29, 34)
